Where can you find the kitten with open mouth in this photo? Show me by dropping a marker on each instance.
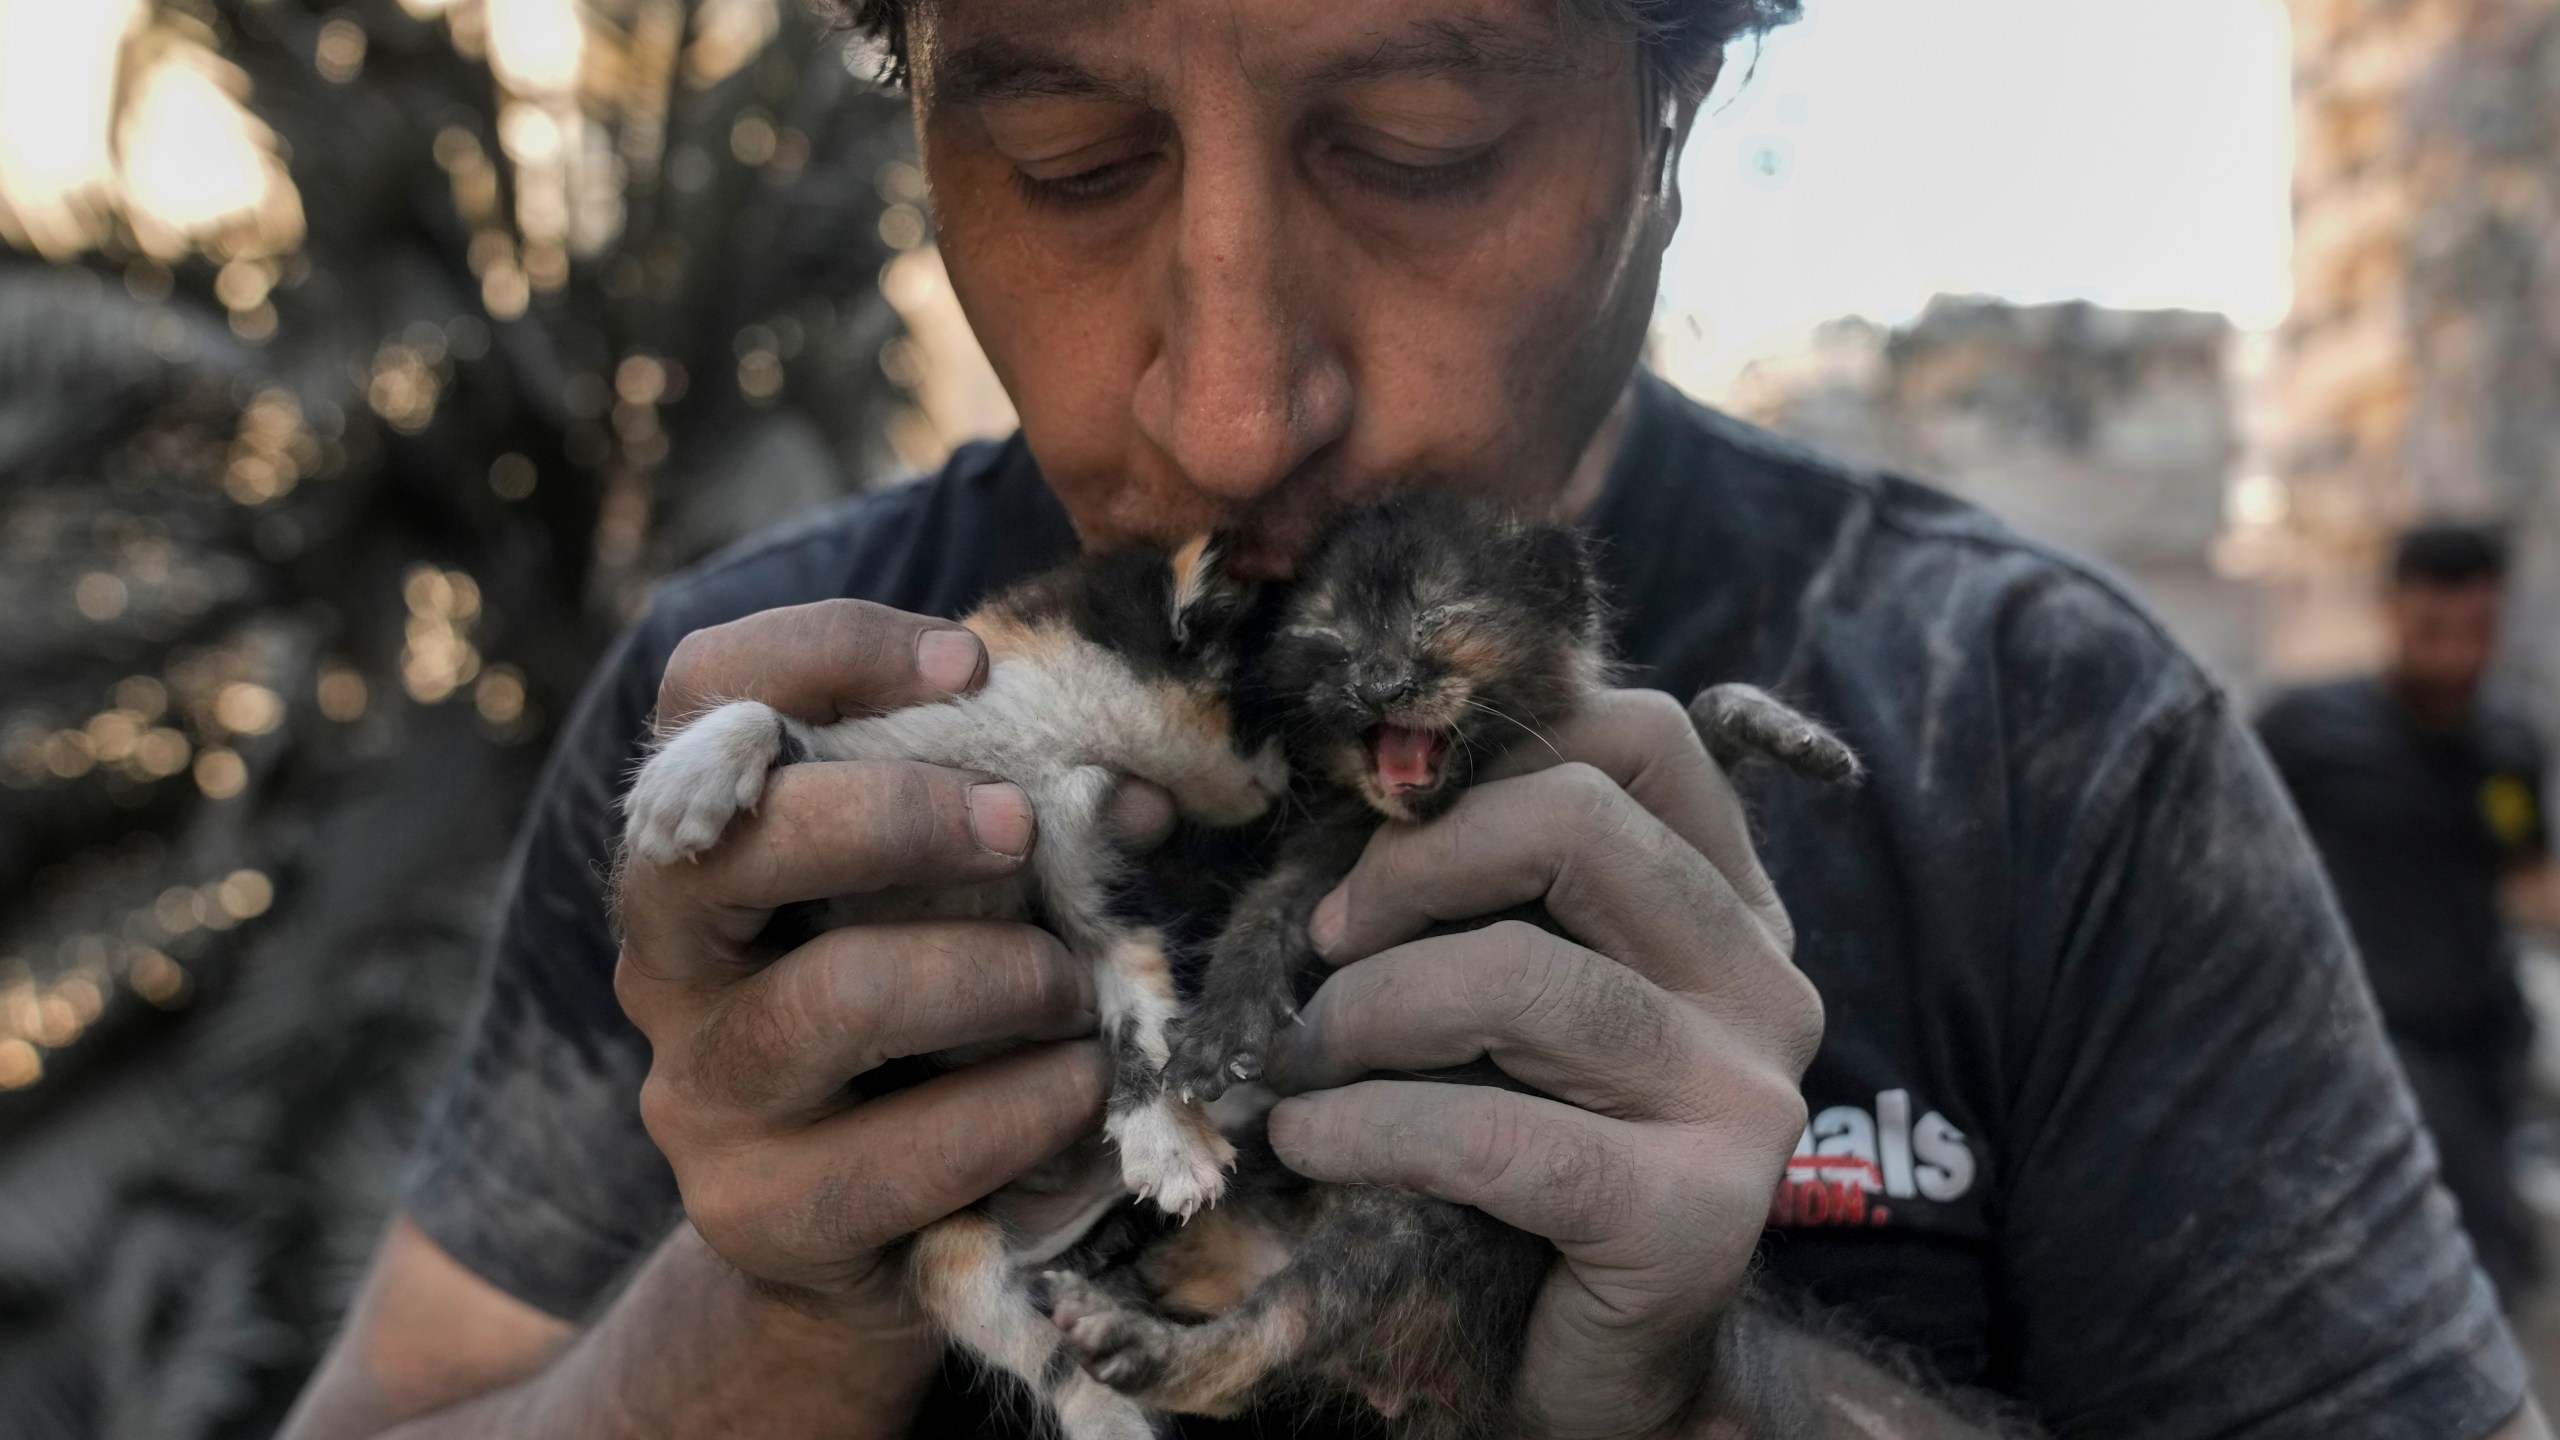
(1424, 638)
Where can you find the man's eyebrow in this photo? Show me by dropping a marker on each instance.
(1452, 47)
(996, 69)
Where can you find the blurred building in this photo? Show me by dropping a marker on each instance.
(2420, 370)
(2110, 433)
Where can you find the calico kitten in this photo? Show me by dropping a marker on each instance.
(1425, 637)
(1115, 663)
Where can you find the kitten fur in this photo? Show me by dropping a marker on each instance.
(1114, 663)
(1425, 637)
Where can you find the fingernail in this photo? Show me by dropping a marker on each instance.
(1000, 818)
(1324, 928)
(948, 659)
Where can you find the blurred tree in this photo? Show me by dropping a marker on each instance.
(369, 361)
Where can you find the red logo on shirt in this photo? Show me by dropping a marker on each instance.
(1853, 1162)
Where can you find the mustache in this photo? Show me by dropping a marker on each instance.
(1269, 535)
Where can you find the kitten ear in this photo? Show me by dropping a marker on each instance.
(1205, 600)
(1559, 565)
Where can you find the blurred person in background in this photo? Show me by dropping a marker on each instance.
(2426, 800)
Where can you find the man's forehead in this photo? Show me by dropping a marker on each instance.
(2462, 599)
(982, 50)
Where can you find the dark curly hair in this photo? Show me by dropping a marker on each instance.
(2449, 554)
(1682, 39)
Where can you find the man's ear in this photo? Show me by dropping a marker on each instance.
(1205, 600)
(1679, 115)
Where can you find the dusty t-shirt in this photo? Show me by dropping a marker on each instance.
(2102, 1119)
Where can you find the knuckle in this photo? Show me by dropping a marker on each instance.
(1012, 1126)
(910, 814)
(1774, 918)
(693, 658)
(1588, 803)
(854, 999)
(1582, 782)
(632, 988)
(1489, 1145)
(1615, 1012)
(1042, 958)
(1022, 969)
(1527, 970)
(858, 630)
(1800, 1020)
(730, 1215)
(849, 1209)
(949, 1162)
(1659, 721)
(738, 1051)
(1767, 1107)
(671, 1115)
(1601, 1187)
(1594, 1186)
(648, 907)
(1545, 987)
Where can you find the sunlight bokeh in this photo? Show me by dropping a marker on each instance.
(57, 96)
(114, 113)
(104, 115)
(534, 45)
(197, 168)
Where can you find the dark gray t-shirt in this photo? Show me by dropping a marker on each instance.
(2102, 1119)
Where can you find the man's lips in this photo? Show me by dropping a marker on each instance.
(1405, 759)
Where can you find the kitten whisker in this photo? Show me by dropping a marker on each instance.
(1534, 732)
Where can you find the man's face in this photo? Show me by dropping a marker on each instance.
(2443, 637)
(1240, 262)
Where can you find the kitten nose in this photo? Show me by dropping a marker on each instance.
(1382, 694)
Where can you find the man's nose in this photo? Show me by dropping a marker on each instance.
(1246, 384)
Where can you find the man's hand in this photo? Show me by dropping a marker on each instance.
(782, 1174)
(1671, 1027)
(771, 1313)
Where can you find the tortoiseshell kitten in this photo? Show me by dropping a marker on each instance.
(1425, 637)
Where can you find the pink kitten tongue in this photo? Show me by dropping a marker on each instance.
(1407, 759)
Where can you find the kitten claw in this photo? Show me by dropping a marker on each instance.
(1171, 1154)
(1219, 1045)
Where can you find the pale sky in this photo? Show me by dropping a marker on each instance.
(2135, 153)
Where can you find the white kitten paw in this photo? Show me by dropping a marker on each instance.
(700, 780)
(1171, 1153)
(1091, 1410)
